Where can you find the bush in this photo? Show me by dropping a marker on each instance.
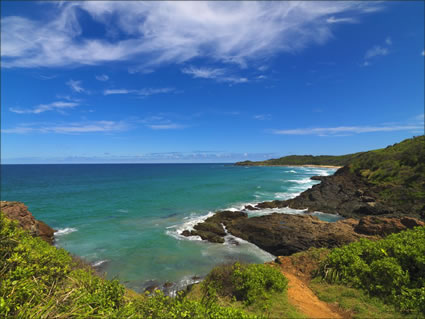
(392, 268)
(246, 283)
(40, 281)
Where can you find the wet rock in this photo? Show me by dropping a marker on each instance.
(250, 207)
(186, 233)
(19, 212)
(272, 204)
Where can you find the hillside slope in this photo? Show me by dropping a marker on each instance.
(304, 160)
(389, 181)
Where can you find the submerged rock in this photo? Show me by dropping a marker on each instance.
(19, 212)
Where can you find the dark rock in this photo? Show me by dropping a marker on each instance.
(272, 204)
(283, 235)
(186, 233)
(250, 207)
(19, 212)
(212, 227)
(381, 226)
(343, 193)
(206, 235)
(317, 178)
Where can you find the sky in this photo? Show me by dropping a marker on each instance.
(182, 82)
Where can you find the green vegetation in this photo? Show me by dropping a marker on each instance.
(41, 281)
(392, 269)
(397, 172)
(356, 302)
(246, 283)
(256, 288)
(305, 160)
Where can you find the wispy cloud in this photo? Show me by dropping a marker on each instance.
(377, 50)
(70, 128)
(169, 126)
(75, 86)
(220, 75)
(173, 32)
(102, 77)
(262, 117)
(59, 106)
(340, 20)
(160, 122)
(338, 130)
(141, 92)
(423, 52)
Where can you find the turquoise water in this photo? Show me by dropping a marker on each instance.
(127, 218)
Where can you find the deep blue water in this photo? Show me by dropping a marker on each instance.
(128, 217)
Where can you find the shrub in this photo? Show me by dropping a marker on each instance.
(40, 281)
(392, 268)
(247, 283)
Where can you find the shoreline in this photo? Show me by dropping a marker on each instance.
(305, 165)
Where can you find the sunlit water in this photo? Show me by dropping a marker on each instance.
(127, 218)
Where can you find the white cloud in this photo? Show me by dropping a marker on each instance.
(70, 128)
(262, 117)
(117, 91)
(173, 32)
(340, 20)
(170, 126)
(204, 73)
(141, 92)
(54, 106)
(423, 52)
(388, 41)
(219, 75)
(75, 86)
(323, 131)
(161, 122)
(377, 50)
(102, 77)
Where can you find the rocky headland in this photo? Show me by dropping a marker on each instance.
(284, 234)
(378, 192)
(19, 212)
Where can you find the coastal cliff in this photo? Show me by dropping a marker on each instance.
(19, 212)
(386, 182)
(380, 192)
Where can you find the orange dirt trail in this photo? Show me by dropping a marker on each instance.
(300, 296)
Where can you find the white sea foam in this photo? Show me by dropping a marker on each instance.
(292, 171)
(122, 210)
(176, 230)
(301, 181)
(98, 263)
(65, 231)
(283, 210)
(286, 195)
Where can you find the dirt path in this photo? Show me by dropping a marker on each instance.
(303, 298)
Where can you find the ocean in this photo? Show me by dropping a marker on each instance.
(126, 219)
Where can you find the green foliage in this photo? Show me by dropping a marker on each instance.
(40, 281)
(247, 283)
(306, 160)
(392, 268)
(356, 301)
(397, 172)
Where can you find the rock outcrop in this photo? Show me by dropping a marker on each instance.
(343, 193)
(283, 234)
(18, 211)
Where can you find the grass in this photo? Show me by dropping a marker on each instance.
(355, 301)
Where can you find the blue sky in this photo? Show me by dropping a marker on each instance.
(92, 82)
